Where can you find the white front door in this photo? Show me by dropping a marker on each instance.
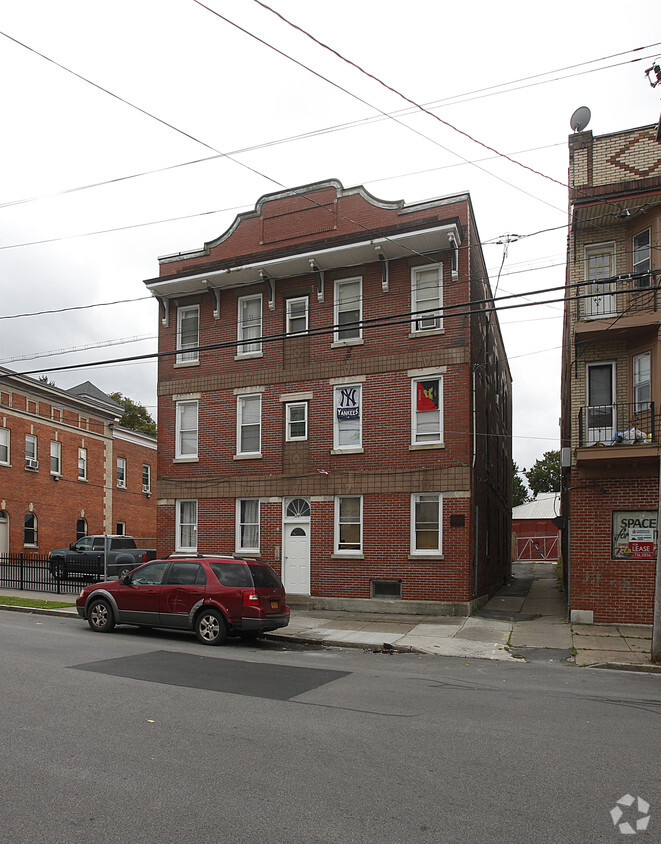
(296, 552)
(4, 532)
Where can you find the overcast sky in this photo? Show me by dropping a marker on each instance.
(96, 184)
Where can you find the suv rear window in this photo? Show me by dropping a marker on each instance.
(232, 574)
(265, 576)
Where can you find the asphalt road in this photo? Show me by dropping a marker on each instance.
(150, 737)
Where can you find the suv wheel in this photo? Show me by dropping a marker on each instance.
(210, 627)
(99, 616)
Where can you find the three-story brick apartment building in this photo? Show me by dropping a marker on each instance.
(334, 396)
(612, 375)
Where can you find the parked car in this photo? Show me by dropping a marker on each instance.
(89, 556)
(214, 596)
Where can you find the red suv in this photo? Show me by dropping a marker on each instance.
(214, 596)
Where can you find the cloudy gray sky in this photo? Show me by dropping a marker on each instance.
(139, 128)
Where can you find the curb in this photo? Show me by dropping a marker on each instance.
(363, 646)
(641, 668)
(61, 612)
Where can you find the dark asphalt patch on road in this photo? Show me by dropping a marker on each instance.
(507, 615)
(252, 679)
(532, 654)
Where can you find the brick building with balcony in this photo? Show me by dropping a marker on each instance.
(334, 397)
(612, 376)
(67, 468)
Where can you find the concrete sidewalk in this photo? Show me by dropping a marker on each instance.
(524, 622)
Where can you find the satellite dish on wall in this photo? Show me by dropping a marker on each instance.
(580, 119)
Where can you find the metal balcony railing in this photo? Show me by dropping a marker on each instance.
(625, 294)
(618, 424)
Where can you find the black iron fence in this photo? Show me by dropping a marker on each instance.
(30, 572)
(618, 424)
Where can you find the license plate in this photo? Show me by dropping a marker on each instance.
(274, 605)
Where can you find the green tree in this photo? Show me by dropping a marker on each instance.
(136, 417)
(519, 489)
(545, 474)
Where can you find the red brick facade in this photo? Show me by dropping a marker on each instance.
(612, 377)
(365, 524)
(79, 492)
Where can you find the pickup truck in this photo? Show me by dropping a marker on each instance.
(86, 557)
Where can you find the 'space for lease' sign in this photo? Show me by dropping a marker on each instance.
(634, 534)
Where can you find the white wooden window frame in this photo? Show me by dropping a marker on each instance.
(339, 308)
(342, 428)
(418, 437)
(182, 409)
(433, 321)
(642, 381)
(255, 400)
(427, 498)
(188, 352)
(121, 473)
(249, 334)
(342, 519)
(290, 318)
(289, 422)
(247, 522)
(186, 521)
(146, 477)
(5, 447)
(82, 464)
(55, 458)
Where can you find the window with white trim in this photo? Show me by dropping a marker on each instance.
(427, 297)
(599, 271)
(347, 416)
(348, 303)
(146, 477)
(30, 530)
(188, 334)
(642, 382)
(82, 464)
(120, 529)
(427, 410)
(249, 423)
(348, 524)
(642, 258)
(426, 523)
(249, 325)
(186, 525)
(4, 446)
(31, 461)
(297, 315)
(296, 421)
(186, 429)
(55, 457)
(247, 524)
(121, 473)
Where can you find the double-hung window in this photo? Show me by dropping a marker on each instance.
(186, 527)
(4, 446)
(186, 430)
(348, 524)
(146, 478)
(426, 523)
(247, 524)
(427, 410)
(348, 309)
(427, 297)
(121, 473)
(296, 421)
(297, 315)
(82, 464)
(55, 457)
(642, 382)
(31, 461)
(642, 255)
(347, 417)
(188, 334)
(249, 423)
(250, 325)
(30, 530)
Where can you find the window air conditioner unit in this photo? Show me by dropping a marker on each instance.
(146, 488)
(31, 463)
